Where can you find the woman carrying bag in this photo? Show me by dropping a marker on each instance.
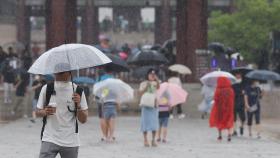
(149, 110)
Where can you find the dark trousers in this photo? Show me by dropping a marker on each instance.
(179, 109)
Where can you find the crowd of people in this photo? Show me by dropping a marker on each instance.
(229, 103)
(224, 102)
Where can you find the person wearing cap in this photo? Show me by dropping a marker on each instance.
(149, 113)
(60, 135)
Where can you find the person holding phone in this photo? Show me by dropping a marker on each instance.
(59, 135)
(149, 110)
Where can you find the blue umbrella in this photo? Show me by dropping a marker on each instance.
(81, 80)
(263, 75)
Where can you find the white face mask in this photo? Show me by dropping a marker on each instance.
(238, 80)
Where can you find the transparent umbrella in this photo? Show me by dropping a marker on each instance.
(113, 90)
(68, 57)
(210, 79)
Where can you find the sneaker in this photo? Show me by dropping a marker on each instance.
(181, 116)
(171, 116)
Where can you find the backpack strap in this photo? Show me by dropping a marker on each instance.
(79, 90)
(49, 92)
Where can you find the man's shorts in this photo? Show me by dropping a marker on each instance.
(109, 110)
(50, 150)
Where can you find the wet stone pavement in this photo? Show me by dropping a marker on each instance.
(187, 138)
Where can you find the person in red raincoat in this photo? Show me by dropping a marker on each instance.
(222, 112)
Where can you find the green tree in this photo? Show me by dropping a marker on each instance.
(248, 28)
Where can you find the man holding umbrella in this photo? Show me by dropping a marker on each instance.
(59, 135)
(63, 104)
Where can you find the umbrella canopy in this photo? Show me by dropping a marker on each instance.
(217, 47)
(113, 90)
(171, 94)
(117, 64)
(242, 70)
(141, 72)
(83, 80)
(147, 57)
(210, 79)
(68, 57)
(263, 75)
(182, 69)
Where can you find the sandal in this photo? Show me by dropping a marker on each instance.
(158, 140)
(146, 144)
(164, 141)
(154, 144)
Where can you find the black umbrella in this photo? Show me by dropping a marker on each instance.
(241, 70)
(147, 57)
(141, 72)
(217, 47)
(117, 64)
(263, 75)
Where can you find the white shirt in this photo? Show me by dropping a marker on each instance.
(175, 80)
(60, 127)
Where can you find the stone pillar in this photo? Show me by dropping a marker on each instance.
(191, 32)
(90, 25)
(23, 23)
(163, 23)
(61, 19)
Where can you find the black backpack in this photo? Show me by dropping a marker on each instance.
(49, 92)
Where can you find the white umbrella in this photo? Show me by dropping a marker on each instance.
(68, 57)
(210, 79)
(182, 69)
(113, 90)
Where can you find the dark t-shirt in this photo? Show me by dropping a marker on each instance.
(239, 96)
(24, 77)
(9, 75)
(254, 94)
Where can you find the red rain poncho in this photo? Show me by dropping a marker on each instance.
(221, 115)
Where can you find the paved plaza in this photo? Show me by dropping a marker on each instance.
(188, 138)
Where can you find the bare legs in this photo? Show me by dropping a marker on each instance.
(110, 128)
(107, 128)
(146, 141)
(103, 129)
(162, 132)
